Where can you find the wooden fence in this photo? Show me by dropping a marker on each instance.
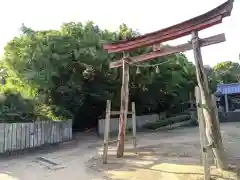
(20, 136)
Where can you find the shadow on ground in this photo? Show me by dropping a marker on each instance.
(156, 162)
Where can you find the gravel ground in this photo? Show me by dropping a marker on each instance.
(80, 159)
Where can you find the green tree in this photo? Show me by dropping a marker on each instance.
(66, 73)
(227, 72)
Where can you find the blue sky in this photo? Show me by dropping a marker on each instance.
(145, 16)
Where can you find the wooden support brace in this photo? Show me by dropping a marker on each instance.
(134, 126)
(127, 138)
(106, 132)
(118, 112)
(203, 139)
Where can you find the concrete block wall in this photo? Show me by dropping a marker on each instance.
(19, 136)
(229, 116)
(114, 123)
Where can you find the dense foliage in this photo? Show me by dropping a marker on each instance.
(61, 74)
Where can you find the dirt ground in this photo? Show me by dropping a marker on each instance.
(173, 154)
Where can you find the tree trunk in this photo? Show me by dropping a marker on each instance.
(123, 109)
(212, 129)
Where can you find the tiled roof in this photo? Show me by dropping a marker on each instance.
(228, 88)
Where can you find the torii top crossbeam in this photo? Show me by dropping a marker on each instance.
(198, 23)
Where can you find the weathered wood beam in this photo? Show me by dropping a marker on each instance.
(168, 37)
(212, 129)
(171, 50)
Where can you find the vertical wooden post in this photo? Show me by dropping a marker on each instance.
(226, 102)
(212, 129)
(123, 109)
(126, 89)
(106, 131)
(134, 125)
(203, 139)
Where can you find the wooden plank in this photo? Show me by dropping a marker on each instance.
(134, 126)
(129, 138)
(118, 112)
(171, 50)
(116, 140)
(106, 132)
(112, 141)
(212, 131)
(203, 139)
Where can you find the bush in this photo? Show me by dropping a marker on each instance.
(15, 108)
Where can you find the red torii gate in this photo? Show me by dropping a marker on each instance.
(198, 23)
(191, 26)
